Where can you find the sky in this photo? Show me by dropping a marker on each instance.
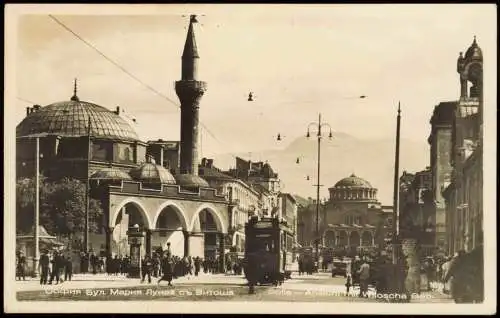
(298, 60)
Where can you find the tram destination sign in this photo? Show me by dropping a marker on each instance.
(263, 225)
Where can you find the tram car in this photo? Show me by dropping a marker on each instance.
(269, 246)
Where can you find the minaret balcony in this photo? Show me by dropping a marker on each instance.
(191, 85)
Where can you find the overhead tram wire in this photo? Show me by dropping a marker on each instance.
(128, 73)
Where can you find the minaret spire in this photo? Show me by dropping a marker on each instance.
(75, 89)
(190, 54)
(190, 90)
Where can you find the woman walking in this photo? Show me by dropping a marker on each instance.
(167, 269)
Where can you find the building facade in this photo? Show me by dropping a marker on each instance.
(351, 219)
(417, 209)
(154, 185)
(440, 160)
(157, 185)
(464, 192)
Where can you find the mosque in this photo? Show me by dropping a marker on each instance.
(154, 184)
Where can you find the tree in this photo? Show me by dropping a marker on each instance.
(62, 206)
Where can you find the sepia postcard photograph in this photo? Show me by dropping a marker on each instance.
(250, 158)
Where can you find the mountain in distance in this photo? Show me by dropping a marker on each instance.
(341, 156)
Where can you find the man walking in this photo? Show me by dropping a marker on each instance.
(167, 269)
(147, 267)
(56, 267)
(68, 269)
(21, 265)
(44, 268)
(197, 265)
(364, 278)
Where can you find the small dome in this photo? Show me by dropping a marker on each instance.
(152, 173)
(474, 52)
(191, 181)
(110, 174)
(353, 182)
(71, 118)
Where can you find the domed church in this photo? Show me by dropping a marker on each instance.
(353, 215)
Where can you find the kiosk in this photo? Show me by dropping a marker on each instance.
(135, 240)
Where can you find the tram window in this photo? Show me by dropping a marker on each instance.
(266, 246)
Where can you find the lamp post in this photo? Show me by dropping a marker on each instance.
(36, 225)
(318, 126)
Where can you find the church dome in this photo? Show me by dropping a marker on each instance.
(152, 173)
(71, 119)
(474, 52)
(110, 174)
(353, 182)
(191, 181)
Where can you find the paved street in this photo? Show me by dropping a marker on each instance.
(319, 287)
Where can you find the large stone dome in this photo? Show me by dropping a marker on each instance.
(353, 182)
(191, 181)
(110, 174)
(152, 173)
(71, 119)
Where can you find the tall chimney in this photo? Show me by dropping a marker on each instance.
(189, 90)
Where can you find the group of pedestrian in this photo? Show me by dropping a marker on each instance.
(306, 264)
(168, 266)
(54, 265)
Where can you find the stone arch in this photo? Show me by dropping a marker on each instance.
(219, 220)
(367, 238)
(178, 211)
(329, 238)
(342, 238)
(354, 238)
(142, 210)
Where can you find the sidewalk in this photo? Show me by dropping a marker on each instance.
(83, 281)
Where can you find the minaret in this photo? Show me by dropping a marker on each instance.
(189, 90)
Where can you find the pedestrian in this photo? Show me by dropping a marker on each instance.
(44, 267)
(445, 268)
(197, 264)
(167, 269)
(147, 267)
(364, 278)
(156, 263)
(21, 266)
(56, 262)
(68, 269)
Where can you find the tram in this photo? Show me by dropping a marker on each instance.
(269, 250)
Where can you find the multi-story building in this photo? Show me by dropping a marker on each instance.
(416, 208)
(262, 178)
(244, 201)
(464, 192)
(440, 155)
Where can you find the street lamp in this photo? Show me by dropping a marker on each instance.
(318, 126)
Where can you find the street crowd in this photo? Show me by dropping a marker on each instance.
(55, 267)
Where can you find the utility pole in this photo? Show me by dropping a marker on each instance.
(36, 233)
(87, 190)
(395, 218)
